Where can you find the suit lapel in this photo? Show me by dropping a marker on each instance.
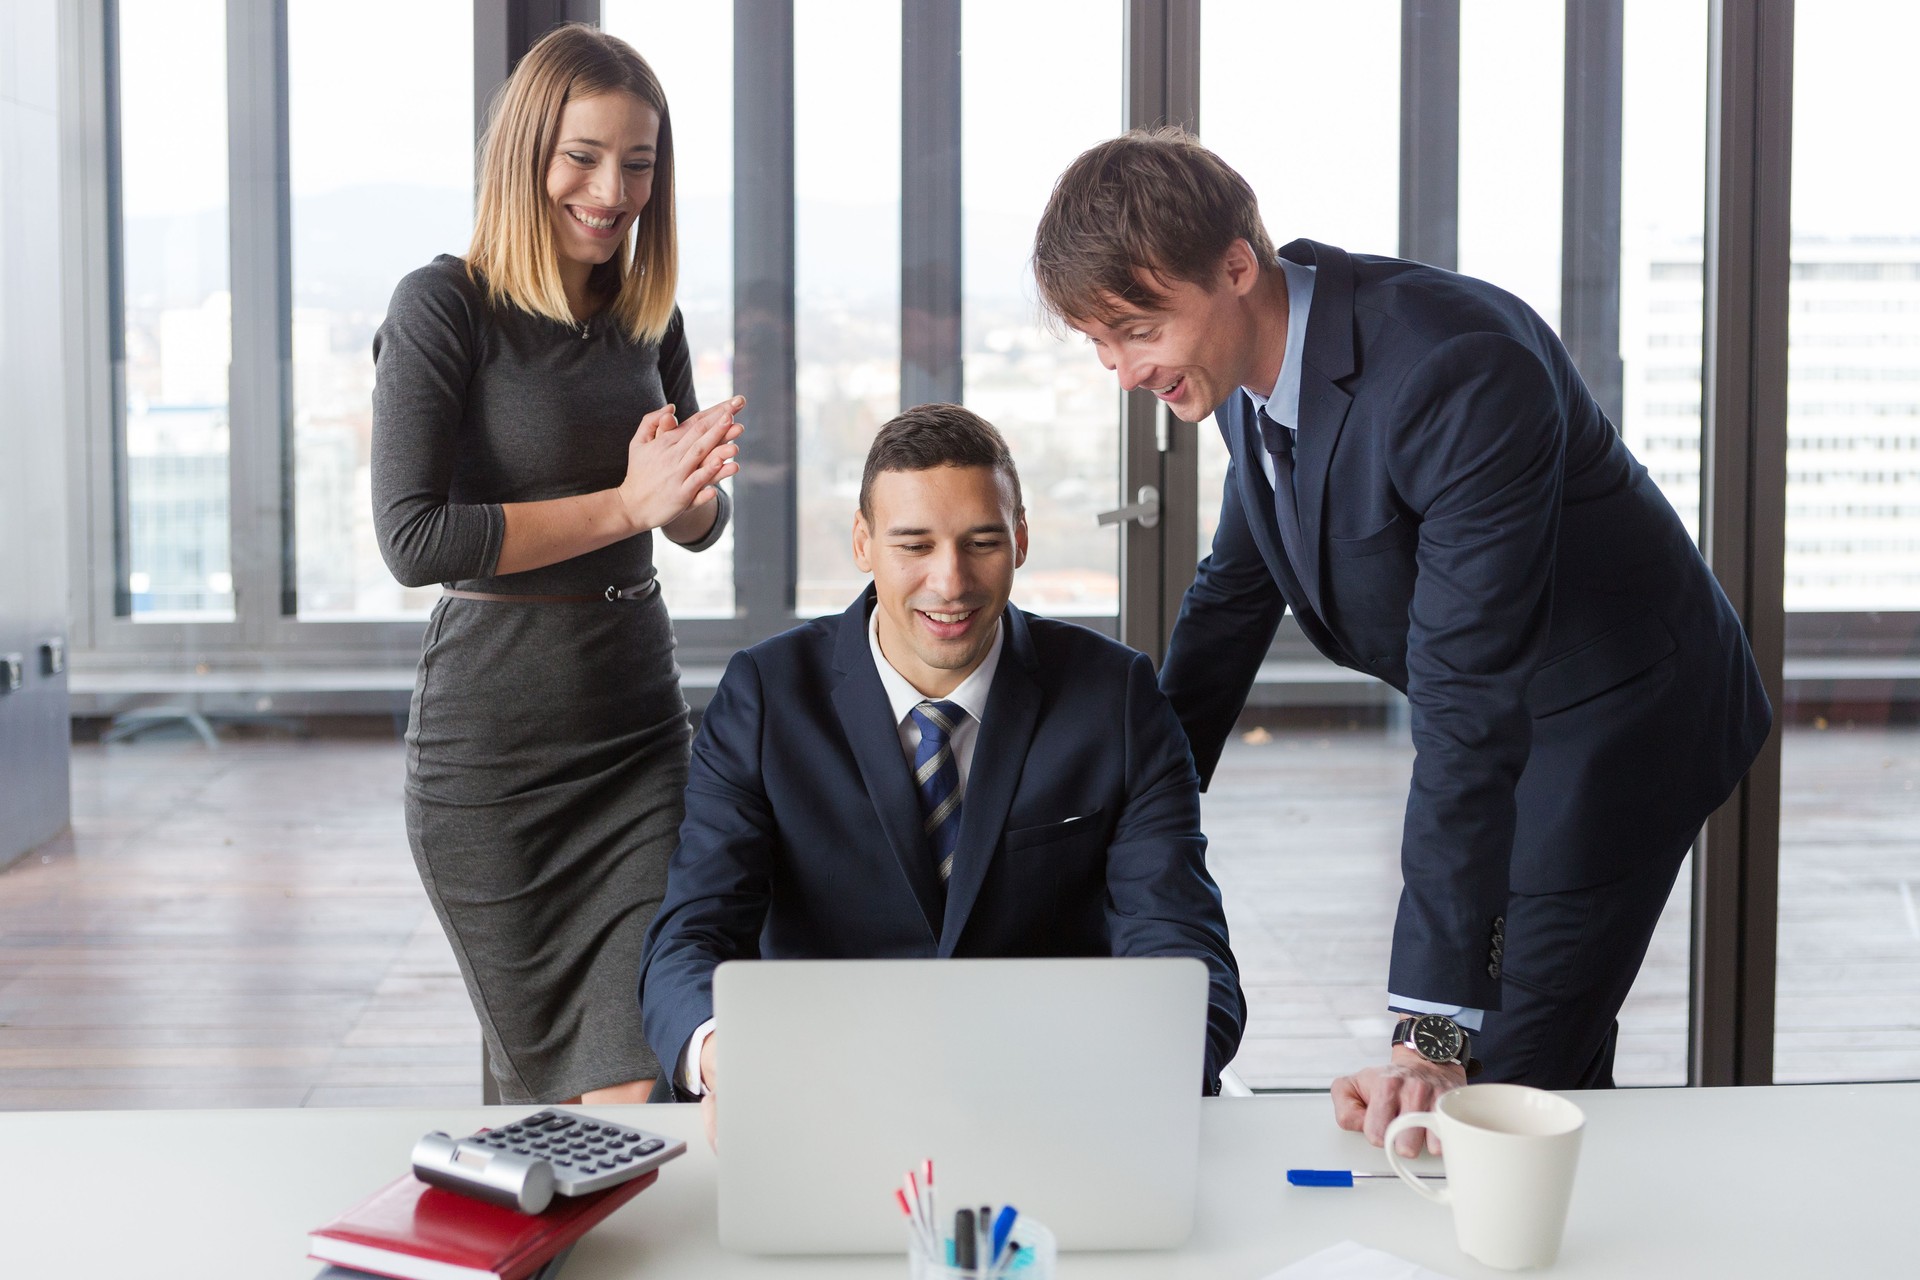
(999, 758)
(1329, 358)
(866, 717)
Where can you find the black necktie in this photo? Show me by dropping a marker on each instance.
(1286, 512)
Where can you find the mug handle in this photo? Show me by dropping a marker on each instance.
(1401, 1123)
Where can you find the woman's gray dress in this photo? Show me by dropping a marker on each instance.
(547, 749)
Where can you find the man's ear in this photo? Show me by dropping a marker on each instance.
(862, 543)
(1239, 268)
(1020, 539)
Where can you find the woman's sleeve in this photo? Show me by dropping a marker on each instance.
(423, 359)
(676, 377)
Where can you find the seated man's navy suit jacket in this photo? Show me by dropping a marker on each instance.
(1079, 831)
(1477, 536)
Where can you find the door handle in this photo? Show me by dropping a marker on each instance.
(1144, 508)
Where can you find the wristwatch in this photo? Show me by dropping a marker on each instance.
(1437, 1038)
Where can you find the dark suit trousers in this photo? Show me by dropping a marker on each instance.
(1570, 961)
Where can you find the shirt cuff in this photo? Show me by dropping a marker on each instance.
(686, 1072)
(1468, 1018)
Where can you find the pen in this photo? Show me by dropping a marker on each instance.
(1002, 1228)
(1343, 1177)
(933, 1218)
(916, 1238)
(964, 1239)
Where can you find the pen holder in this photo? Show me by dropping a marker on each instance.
(1035, 1258)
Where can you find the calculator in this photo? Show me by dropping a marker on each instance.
(586, 1155)
(523, 1165)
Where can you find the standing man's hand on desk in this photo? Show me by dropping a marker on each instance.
(1369, 1100)
(709, 1112)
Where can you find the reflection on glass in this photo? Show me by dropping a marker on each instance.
(690, 48)
(1338, 181)
(847, 273)
(178, 310)
(1849, 940)
(365, 213)
(1027, 112)
(1512, 96)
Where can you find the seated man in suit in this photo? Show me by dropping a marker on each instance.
(934, 772)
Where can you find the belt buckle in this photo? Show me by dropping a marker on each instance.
(613, 594)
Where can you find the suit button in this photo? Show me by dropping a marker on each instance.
(1493, 970)
(1499, 923)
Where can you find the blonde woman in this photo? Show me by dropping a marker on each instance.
(534, 429)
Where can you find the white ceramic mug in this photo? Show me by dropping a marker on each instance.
(1511, 1152)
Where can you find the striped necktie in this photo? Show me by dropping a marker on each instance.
(938, 777)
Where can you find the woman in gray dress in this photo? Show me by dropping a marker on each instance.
(534, 424)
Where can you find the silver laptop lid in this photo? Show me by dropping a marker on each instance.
(1067, 1088)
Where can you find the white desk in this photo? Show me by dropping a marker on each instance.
(1807, 1182)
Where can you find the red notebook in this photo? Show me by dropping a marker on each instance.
(412, 1231)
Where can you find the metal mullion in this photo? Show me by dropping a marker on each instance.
(1430, 132)
(1590, 197)
(930, 216)
(90, 137)
(260, 390)
(1743, 513)
(1161, 86)
(766, 508)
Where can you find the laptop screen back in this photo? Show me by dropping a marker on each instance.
(1068, 1088)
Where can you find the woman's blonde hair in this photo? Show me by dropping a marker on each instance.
(513, 253)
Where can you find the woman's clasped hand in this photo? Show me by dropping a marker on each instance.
(673, 466)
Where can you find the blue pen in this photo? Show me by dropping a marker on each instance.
(1002, 1228)
(1342, 1177)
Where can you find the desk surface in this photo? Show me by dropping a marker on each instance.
(1791, 1182)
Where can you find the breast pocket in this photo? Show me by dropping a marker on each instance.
(1048, 833)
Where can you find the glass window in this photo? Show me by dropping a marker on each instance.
(1028, 111)
(1304, 813)
(1663, 156)
(690, 48)
(1512, 96)
(177, 308)
(380, 125)
(1849, 925)
(1337, 182)
(847, 273)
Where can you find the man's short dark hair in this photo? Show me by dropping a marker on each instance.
(1152, 203)
(937, 435)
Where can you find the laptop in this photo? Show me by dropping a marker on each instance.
(1068, 1088)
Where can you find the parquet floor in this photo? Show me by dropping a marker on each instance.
(243, 927)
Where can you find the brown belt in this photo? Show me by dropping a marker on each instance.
(611, 594)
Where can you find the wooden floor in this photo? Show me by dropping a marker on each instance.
(244, 927)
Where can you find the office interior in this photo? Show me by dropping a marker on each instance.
(207, 898)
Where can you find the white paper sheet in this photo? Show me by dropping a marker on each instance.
(1350, 1261)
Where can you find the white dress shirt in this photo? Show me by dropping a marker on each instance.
(970, 695)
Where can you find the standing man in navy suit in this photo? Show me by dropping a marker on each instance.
(934, 772)
(1419, 473)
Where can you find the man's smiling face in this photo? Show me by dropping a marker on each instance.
(942, 545)
(1196, 348)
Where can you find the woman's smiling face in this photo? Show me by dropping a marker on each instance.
(601, 176)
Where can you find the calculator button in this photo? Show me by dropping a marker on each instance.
(597, 1151)
(606, 1164)
(648, 1147)
(625, 1157)
(561, 1122)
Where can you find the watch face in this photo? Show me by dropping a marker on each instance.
(1436, 1038)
